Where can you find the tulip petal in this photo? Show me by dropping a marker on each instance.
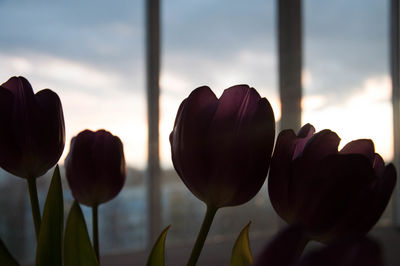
(365, 209)
(236, 105)
(20, 88)
(24, 110)
(382, 193)
(10, 157)
(378, 165)
(177, 164)
(252, 157)
(278, 180)
(49, 131)
(81, 181)
(229, 141)
(188, 139)
(321, 144)
(361, 146)
(303, 136)
(108, 159)
(324, 196)
(306, 131)
(364, 212)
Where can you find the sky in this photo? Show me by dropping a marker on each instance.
(92, 54)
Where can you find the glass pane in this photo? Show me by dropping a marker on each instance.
(218, 44)
(346, 78)
(91, 54)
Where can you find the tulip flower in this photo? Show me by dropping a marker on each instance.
(286, 247)
(95, 170)
(221, 148)
(95, 167)
(331, 193)
(348, 251)
(32, 134)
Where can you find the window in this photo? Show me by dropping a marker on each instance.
(218, 45)
(346, 75)
(92, 55)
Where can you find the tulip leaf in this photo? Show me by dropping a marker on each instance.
(5, 256)
(78, 250)
(241, 252)
(157, 254)
(49, 247)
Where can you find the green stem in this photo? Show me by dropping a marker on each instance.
(201, 237)
(34, 205)
(95, 227)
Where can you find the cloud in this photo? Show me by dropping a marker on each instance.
(121, 113)
(103, 32)
(217, 28)
(366, 113)
(344, 44)
(94, 54)
(185, 73)
(91, 97)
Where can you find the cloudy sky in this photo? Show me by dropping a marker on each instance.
(92, 54)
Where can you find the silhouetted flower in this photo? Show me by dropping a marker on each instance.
(221, 148)
(348, 251)
(328, 192)
(286, 248)
(95, 167)
(32, 134)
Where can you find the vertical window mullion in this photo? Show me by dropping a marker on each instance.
(290, 62)
(153, 92)
(395, 68)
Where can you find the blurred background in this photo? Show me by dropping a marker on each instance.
(93, 55)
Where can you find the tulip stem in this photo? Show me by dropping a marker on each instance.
(201, 237)
(95, 227)
(34, 205)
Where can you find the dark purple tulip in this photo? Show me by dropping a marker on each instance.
(348, 251)
(329, 192)
(32, 134)
(221, 148)
(95, 167)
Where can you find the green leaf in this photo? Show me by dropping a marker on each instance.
(6, 258)
(157, 254)
(241, 252)
(49, 248)
(78, 250)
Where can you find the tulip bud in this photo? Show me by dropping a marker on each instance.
(329, 192)
(95, 167)
(221, 148)
(32, 134)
